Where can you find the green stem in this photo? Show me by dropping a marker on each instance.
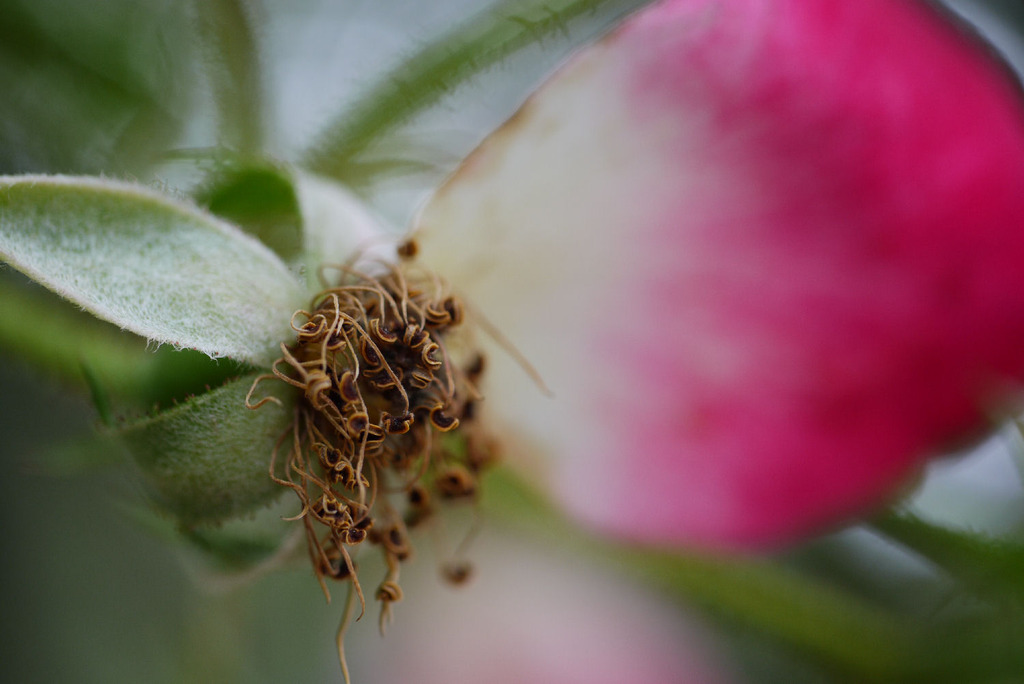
(440, 66)
(990, 566)
(213, 649)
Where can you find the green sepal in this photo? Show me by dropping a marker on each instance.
(231, 550)
(234, 550)
(260, 198)
(207, 459)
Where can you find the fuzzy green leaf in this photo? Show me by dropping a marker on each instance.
(149, 263)
(207, 459)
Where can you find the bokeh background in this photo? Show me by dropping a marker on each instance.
(93, 589)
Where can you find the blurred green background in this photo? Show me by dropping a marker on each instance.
(90, 590)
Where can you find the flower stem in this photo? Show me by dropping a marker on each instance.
(990, 566)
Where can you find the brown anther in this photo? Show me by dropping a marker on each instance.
(436, 315)
(336, 343)
(348, 389)
(414, 336)
(395, 540)
(329, 456)
(408, 249)
(455, 482)
(318, 383)
(357, 423)
(382, 332)
(389, 592)
(419, 506)
(441, 420)
(369, 354)
(418, 496)
(329, 505)
(428, 356)
(345, 474)
(396, 425)
(337, 571)
(381, 381)
(454, 308)
(476, 367)
(331, 512)
(353, 536)
(457, 572)
(374, 434)
(313, 329)
(334, 565)
(420, 379)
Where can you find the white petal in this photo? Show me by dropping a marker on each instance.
(338, 227)
(767, 272)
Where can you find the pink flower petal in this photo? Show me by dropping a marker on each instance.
(768, 254)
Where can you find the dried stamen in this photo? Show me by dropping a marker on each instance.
(378, 385)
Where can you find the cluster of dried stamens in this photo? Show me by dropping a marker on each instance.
(384, 425)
